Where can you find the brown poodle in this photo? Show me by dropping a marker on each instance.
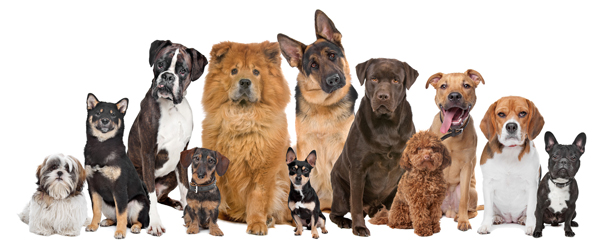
(422, 188)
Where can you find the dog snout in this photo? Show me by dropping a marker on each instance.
(245, 83)
(511, 127)
(333, 80)
(59, 173)
(104, 121)
(427, 157)
(454, 97)
(298, 179)
(383, 96)
(168, 77)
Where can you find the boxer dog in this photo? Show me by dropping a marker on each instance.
(163, 127)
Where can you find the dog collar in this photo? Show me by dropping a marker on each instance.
(454, 132)
(561, 185)
(196, 188)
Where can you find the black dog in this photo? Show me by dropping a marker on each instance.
(303, 200)
(558, 190)
(112, 180)
(203, 198)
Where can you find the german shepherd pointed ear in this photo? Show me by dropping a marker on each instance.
(324, 28)
(219, 50)
(92, 101)
(222, 164)
(155, 47)
(290, 156)
(199, 62)
(122, 105)
(361, 71)
(292, 50)
(185, 157)
(410, 75)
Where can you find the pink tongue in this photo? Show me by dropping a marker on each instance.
(448, 116)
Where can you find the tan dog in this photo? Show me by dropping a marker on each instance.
(455, 97)
(244, 98)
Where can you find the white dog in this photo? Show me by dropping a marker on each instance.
(57, 207)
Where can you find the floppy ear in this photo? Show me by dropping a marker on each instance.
(219, 50)
(410, 75)
(536, 121)
(92, 101)
(199, 61)
(361, 71)
(155, 47)
(475, 76)
(222, 164)
(405, 161)
(447, 160)
(185, 157)
(488, 123)
(292, 50)
(433, 80)
(580, 142)
(324, 28)
(550, 141)
(80, 172)
(312, 158)
(290, 156)
(271, 51)
(38, 172)
(122, 105)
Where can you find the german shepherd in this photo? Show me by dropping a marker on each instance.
(324, 99)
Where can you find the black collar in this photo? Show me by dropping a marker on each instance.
(561, 185)
(454, 132)
(195, 188)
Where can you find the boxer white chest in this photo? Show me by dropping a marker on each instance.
(174, 132)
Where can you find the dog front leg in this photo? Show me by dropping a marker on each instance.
(96, 210)
(121, 212)
(488, 211)
(357, 189)
(569, 215)
(182, 182)
(313, 225)
(539, 216)
(256, 210)
(299, 226)
(531, 205)
(463, 216)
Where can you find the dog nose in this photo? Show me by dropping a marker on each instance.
(383, 96)
(563, 162)
(104, 121)
(511, 127)
(245, 83)
(168, 77)
(333, 80)
(454, 96)
(427, 157)
(298, 178)
(59, 173)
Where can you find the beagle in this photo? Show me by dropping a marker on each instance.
(510, 163)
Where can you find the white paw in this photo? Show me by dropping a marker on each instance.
(156, 228)
(529, 230)
(484, 229)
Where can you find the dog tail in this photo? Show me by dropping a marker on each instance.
(380, 218)
(480, 207)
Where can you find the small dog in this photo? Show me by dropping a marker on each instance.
(303, 200)
(115, 188)
(422, 189)
(558, 190)
(203, 197)
(58, 206)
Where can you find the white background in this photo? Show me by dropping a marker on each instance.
(54, 54)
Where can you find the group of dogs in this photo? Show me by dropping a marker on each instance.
(369, 163)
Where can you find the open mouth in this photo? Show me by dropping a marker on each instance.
(454, 117)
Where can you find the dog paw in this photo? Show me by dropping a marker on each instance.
(574, 224)
(107, 223)
(361, 231)
(537, 234)
(324, 231)
(529, 230)
(569, 233)
(193, 230)
(216, 232)
(91, 228)
(423, 231)
(400, 225)
(464, 225)
(136, 229)
(436, 228)
(342, 222)
(119, 234)
(177, 205)
(498, 220)
(484, 229)
(522, 220)
(257, 228)
(297, 232)
(315, 235)
(156, 229)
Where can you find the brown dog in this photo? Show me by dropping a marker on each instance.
(324, 99)
(244, 98)
(455, 97)
(365, 176)
(422, 189)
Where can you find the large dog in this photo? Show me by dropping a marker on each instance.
(324, 99)
(455, 97)
(365, 176)
(163, 127)
(244, 98)
(510, 163)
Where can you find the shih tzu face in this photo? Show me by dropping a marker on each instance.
(60, 176)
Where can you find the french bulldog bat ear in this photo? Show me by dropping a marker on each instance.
(199, 62)
(155, 47)
(290, 156)
(550, 141)
(291, 50)
(536, 121)
(219, 50)
(361, 71)
(185, 157)
(222, 164)
(92, 101)
(488, 123)
(122, 105)
(312, 158)
(324, 28)
(410, 75)
(271, 51)
(580, 142)
(475, 76)
(433, 80)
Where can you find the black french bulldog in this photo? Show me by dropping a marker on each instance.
(558, 190)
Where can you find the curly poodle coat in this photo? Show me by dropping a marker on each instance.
(422, 189)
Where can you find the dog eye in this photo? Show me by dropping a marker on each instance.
(395, 80)
(211, 161)
(314, 65)
(113, 115)
(182, 71)
(573, 158)
(522, 114)
(255, 72)
(374, 79)
(305, 170)
(234, 71)
(97, 113)
(331, 56)
(502, 115)
(466, 86)
(160, 65)
(443, 86)
(555, 157)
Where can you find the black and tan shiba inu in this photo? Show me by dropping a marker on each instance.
(324, 99)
